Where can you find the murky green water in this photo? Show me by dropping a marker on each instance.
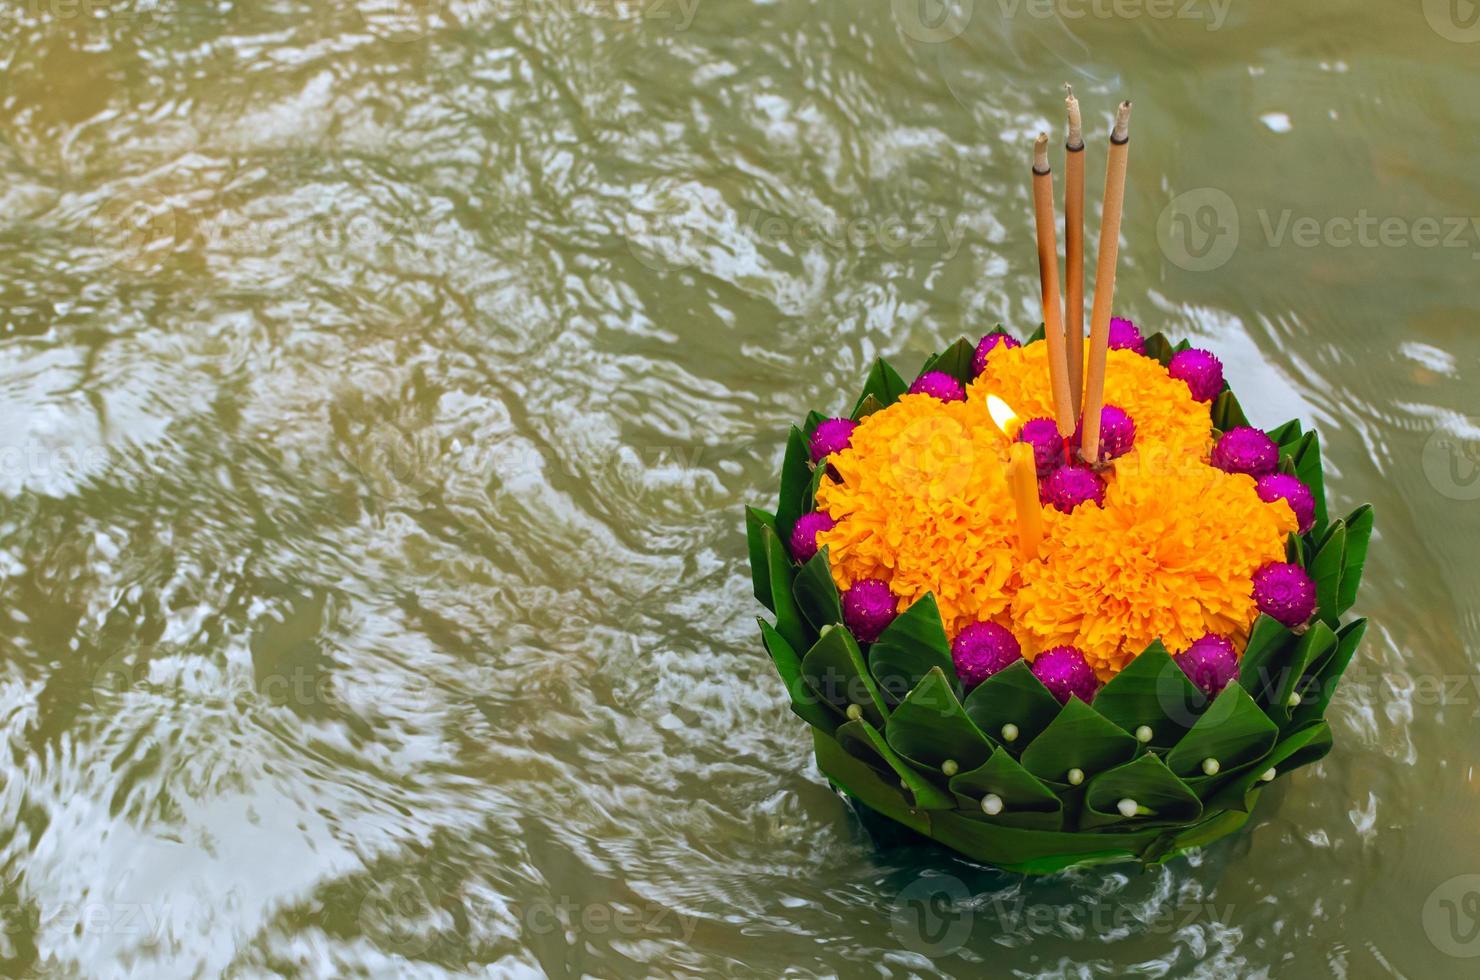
(380, 386)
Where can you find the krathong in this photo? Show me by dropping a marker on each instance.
(1056, 601)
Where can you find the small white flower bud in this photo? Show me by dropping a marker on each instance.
(1210, 767)
(1009, 732)
(949, 767)
(1076, 776)
(1127, 807)
(991, 804)
(1143, 734)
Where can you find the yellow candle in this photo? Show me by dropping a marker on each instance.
(1022, 474)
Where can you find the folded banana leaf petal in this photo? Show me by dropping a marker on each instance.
(796, 476)
(1152, 691)
(1079, 738)
(1227, 413)
(1324, 677)
(1303, 746)
(1325, 571)
(781, 573)
(884, 384)
(1159, 795)
(760, 571)
(1268, 648)
(1312, 648)
(955, 360)
(1358, 534)
(1026, 802)
(863, 741)
(835, 670)
(929, 727)
(804, 701)
(1232, 732)
(909, 648)
(1012, 696)
(867, 406)
(815, 593)
(1159, 348)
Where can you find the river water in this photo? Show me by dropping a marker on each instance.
(381, 383)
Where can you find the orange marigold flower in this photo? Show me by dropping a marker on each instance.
(1169, 556)
(1163, 409)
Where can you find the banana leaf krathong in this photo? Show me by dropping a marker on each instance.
(895, 730)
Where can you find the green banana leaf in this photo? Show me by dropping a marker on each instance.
(804, 702)
(1152, 691)
(1026, 802)
(1012, 696)
(796, 476)
(1078, 738)
(884, 384)
(816, 595)
(835, 671)
(1147, 781)
(930, 728)
(909, 648)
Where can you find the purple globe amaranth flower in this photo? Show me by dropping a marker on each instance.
(982, 649)
(868, 607)
(1210, 663)
(1202, 372)
(1125, 335)
(1065, 672)
(831, 436)
(1283, 486)
(986, 345)
(940, 385)
(1285, 593)
(1069, 486)
(1048, 445)
(804, 533)
(1246, 450)
(1117, 432)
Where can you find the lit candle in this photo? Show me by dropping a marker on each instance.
(1003, 416)
(1048, 278)
(1022, 474)
(1099, 318)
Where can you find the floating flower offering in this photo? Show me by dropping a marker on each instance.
(1057, 602)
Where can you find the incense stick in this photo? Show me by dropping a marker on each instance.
(1109, 253)
(1048, 277)
(1074, 253)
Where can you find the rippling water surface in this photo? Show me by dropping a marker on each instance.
(380, 385)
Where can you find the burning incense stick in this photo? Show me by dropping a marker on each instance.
(1022, 478)
(1048, 276)
(1099, 320)
(1074, 253)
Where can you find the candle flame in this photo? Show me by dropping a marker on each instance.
(1003, 416)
